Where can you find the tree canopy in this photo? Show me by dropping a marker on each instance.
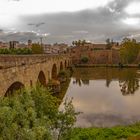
(37, 49)
(129, 51)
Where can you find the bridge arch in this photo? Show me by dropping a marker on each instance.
(41, 78)
(54, 71)
(61, 65)
(14, 87)
(65, 64)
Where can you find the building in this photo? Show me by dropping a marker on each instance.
(47, 48)
(13, 44)
(62, 47)
(95, 53)
(55, 48)
(29, 43)
(4, 45)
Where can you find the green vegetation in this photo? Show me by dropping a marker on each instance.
(79, 43)
(37, 49)
(34, 115)
(18, 51)
(84, 59)
(109, 44)
(114, 133)
(65, 73)
(129, 50)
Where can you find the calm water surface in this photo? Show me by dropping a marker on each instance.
(105, 96)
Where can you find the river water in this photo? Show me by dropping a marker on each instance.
(105, 96)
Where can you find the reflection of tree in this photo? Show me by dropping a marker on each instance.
(81, 81)
(78, 81)
(85, 81)
(129, 83)
(128, 78)
(108, 78)
(108, 81)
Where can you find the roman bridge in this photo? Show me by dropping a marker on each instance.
(18, 71)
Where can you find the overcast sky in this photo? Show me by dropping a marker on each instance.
(68, 20)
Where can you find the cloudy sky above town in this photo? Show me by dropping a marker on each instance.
(68, 20)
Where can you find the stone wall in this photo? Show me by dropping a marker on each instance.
(98, 57)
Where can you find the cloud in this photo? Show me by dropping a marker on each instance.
(133, 8)
(131, 21)
(80, 32)
(94, 24)
(20, 36)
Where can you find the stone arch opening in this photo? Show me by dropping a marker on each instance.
(16, 86)
(54, 72)
(61, 66)
(65, 64)
(41, 79)
(68, 63)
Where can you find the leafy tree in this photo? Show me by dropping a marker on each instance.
(109, 43)
(83, 42)
(34, 115)
(37, 49)
(66, 120)
(129, 50)
(79, 43)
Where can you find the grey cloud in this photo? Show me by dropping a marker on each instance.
(18, 36)
(94, 25)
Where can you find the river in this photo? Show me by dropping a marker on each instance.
(105, 97)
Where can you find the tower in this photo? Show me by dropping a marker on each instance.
(29, 43)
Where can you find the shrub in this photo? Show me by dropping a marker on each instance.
(84, 59)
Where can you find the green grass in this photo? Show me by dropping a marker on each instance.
(115, 133)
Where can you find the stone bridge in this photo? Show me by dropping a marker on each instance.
(25, 70)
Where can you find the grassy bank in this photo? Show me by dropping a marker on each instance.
(131, 132)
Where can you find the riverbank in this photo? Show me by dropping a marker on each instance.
(109, 65)
(131, 132)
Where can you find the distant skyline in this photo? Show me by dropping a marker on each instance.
(68, 20)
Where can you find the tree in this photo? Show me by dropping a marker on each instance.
(37, 49)
(73, 43)
(129, 50)
(83, 42)
(79, 42)
(34, 115)
(109, 43)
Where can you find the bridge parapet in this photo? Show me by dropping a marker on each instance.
(7, 61)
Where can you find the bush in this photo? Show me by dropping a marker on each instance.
(84, 59)
(16, 51)
(63, 74)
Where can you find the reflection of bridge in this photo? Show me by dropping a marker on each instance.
(26, 70)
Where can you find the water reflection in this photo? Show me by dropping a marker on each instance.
(129, 82)
(98, 93)
(128, 78)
